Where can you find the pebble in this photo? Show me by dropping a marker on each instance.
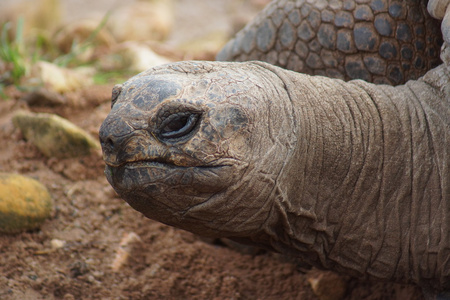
(62, 80)
(44, 97)
(133, 56)
(54, 136)
(57, 244)
(24, 203)
(327, 285)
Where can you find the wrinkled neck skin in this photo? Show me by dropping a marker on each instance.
(366, 191)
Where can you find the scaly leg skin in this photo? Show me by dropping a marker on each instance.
(385, 41)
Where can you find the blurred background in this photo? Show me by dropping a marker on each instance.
(110, 38)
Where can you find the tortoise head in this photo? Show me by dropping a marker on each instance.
(197, 145)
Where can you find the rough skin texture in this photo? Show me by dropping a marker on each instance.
(348, 176)
(382, 41)
(345, 176)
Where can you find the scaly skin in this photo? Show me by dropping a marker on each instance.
(349, 176)
(381, 41)
(344, 176)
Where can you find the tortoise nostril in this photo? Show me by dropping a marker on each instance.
(107, 143)
(110, 143)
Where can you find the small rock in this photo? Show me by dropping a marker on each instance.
(24, 203)
(57, 244)
(44, 97)
(62, 80)
(54, 136)
(78, 268)
(69, 297)
(126, 246)
(132, 56)
(327, 285)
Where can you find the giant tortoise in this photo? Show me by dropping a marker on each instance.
(350, 176)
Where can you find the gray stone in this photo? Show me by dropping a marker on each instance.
(54, 136)
(44, 97)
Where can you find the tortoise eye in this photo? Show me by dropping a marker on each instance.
(178, 125)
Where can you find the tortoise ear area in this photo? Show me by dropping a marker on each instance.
(117, 89)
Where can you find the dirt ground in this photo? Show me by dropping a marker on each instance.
(91, 221)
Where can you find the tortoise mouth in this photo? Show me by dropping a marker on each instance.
(139, 174)
(160, 163)
(151, 163)
(169, 160)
